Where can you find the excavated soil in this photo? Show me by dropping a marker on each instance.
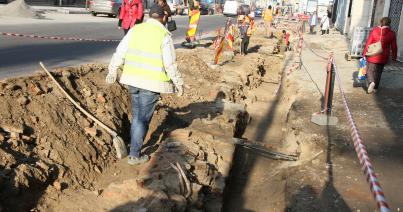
(53, 158)
(45, 141)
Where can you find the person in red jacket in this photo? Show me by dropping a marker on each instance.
(131, 12)
(376, 63)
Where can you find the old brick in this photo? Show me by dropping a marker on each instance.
(35, 89)
(101, 98)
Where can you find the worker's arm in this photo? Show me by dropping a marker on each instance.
(169, 60)
(118, 58)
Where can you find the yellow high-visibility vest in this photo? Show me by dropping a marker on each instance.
(144, 56)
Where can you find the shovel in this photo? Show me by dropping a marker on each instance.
(118, 142)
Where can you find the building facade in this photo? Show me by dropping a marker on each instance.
(349, 14)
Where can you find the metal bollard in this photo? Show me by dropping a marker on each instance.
(329, 88)
(325, 117)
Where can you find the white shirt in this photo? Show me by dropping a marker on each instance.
(168, 55)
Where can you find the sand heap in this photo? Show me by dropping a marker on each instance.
(18, 8)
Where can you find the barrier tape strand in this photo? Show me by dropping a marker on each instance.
(361, 151)
(54, 37)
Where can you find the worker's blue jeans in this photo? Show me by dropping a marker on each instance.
(143, 105)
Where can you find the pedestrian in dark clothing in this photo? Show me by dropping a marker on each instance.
(246, 27)
(166, 8)
(376, 63)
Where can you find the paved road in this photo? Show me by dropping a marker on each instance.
(20, 56)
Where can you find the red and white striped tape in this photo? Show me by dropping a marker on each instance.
(54, 37)
(361, 151)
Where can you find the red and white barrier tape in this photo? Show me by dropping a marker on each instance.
(54, 37)
(362, 154)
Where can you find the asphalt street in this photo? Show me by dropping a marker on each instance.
(20, 56)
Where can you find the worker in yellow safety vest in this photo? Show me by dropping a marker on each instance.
(268, 19)
(148, 54)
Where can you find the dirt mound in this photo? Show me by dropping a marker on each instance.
(18, 8)
(44, 139)
(54, 158)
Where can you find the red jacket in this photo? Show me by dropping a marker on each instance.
(130, 12)
(388, 41)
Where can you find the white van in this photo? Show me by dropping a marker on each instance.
(231, 8)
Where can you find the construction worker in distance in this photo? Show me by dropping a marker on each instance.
(286, 39)
(246, 27)
(268, 19)
(192, 5)
(148, 54)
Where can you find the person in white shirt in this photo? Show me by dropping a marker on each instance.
(148, 54)
(325, 24)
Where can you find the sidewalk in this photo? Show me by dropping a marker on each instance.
(378, 117)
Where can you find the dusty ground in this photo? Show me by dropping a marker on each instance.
(55, 159)
(328, 176)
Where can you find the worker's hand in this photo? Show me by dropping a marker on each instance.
(179, 90)
(111, 77)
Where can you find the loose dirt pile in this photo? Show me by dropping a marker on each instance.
(44, 140)
(18, 8)
(55, 159)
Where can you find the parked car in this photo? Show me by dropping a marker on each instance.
(231, 8)
(108, 7)
(258, 12)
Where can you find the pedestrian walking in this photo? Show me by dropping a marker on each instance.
(131, 12)
(148, 54)
(246, 27)
(377, 49)
(325, 24)
(268, 19)
(313, 21)
(167, 9)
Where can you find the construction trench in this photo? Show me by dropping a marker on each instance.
(53, 158)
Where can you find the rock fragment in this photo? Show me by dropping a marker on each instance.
(92, 131)
(2, 137)
(17, 128)
(23, 100)
(57, 185)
